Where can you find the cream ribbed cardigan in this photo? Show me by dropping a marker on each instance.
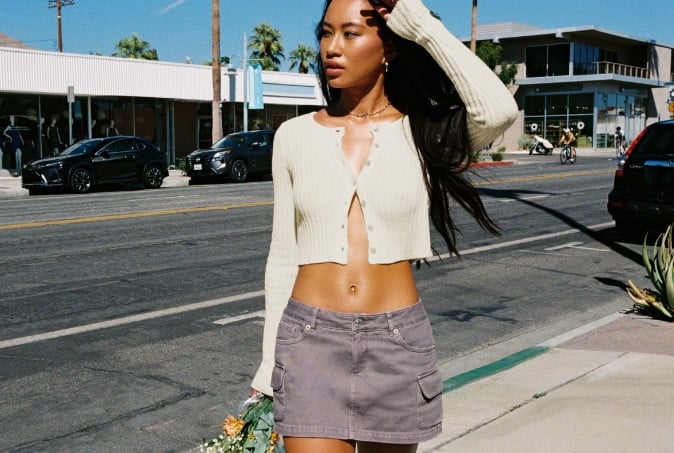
(313, 184)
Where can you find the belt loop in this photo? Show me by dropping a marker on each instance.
(389, 318)
(313, 317)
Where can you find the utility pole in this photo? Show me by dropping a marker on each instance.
(216, 109)
(473, 28)
(58, 4)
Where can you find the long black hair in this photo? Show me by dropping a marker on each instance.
(417, 86)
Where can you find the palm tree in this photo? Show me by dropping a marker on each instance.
(473, 28)
(216, 128)
(134, 47)
(303, 57)
(267, 47)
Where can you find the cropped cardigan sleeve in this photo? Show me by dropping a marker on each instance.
(490, 107)
(281, 269)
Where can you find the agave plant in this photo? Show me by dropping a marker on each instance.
(660, 268)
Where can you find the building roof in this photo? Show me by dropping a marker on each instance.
(515, 30)
(8, 41)
(488, 31)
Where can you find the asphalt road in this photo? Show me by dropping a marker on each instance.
(130, 320)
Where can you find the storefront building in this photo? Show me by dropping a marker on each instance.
(57, 98)
(584, 78)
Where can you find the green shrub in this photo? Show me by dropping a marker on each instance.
(660, 269)
(525, 142)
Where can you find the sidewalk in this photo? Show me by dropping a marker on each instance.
(603, 387)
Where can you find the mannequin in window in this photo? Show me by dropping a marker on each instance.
(112, 130)
(16, 142)
(54, 138)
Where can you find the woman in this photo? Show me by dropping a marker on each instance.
(348, 352)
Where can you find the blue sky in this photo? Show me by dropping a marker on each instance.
(181, 28)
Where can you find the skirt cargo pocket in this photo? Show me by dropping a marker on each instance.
(277, 377)
(429, 401)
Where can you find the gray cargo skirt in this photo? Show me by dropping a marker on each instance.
(363, 377)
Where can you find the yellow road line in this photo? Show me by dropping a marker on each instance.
(136, 215)
(133, 215)
(543, 177)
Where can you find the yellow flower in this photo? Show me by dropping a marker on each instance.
(273, 438)
(232, 426)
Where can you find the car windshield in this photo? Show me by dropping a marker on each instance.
(229, 141)
(80, 148)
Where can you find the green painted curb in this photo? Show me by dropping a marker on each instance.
(505, 363)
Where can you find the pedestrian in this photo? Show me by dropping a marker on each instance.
(348, 351)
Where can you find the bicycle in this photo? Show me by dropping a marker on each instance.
(566, 155)
(619, 148)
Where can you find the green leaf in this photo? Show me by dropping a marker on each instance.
(667, 306)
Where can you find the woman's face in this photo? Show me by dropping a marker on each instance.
(351, 46)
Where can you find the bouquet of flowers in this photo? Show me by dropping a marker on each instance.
(251, 432)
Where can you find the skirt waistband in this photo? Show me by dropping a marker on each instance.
(314, 316)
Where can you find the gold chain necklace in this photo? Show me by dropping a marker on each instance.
(365, 115)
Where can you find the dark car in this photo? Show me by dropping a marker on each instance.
(643, 186)
(236, 156)
(90, 163)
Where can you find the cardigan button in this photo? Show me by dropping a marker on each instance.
(367, 163)
(373, 251)
(369, 227)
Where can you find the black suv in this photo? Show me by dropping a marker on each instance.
(643, 186)
(236, 156)
(89, 163)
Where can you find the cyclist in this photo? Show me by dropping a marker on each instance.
(568, 139)
(619, 141)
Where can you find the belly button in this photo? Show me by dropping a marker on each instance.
(352, 289)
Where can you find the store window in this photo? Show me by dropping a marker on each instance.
(618, 109)
(548, 115)
(548, 61)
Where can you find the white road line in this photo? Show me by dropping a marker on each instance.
(593, 249)
(232, 319)
(239, 297)
(568, 245)
(127, 320)
(530, 197)
(487, 248)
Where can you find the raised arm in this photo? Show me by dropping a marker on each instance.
(489, 105)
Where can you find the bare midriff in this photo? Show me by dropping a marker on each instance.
(358, 286)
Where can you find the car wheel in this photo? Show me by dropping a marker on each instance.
(153, 177)
(239, 172)
(81, 181)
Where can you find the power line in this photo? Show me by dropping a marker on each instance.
(58, 4)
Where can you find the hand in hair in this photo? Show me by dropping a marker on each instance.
(383, 7)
